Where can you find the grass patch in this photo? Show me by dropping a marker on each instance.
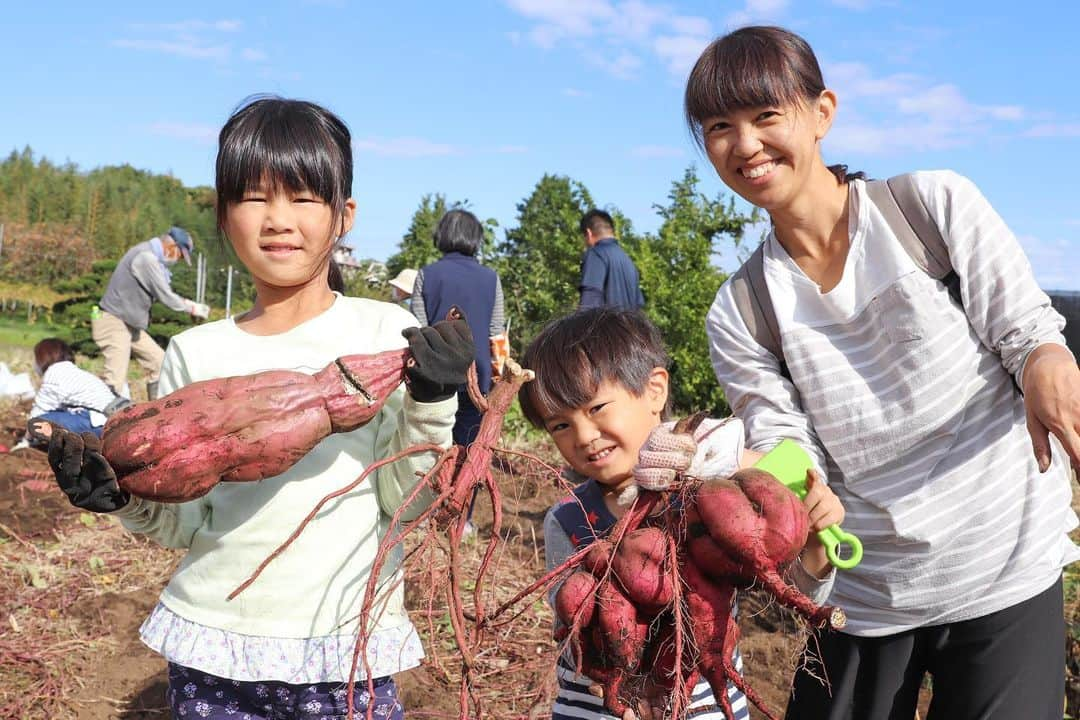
(18, 332)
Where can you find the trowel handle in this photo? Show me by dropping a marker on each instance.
(788, 463)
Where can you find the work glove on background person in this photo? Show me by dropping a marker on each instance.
(83, 473)
(712, 450)
(441, 354)
(198, 310)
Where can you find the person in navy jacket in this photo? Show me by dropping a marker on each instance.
(458, 279)
(608, 275)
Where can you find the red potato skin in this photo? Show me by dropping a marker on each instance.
(640, 565)
(575, 600)
(624, 631)
(239, 429)
(660, 658)
(709, 607)
(623, 634)
(754, 517)
(727, 533)
(755, 528)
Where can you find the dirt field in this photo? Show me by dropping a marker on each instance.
(74, 589)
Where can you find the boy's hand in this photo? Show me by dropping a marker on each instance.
(83, 473)
(441, 355)
(711, 451)
(664, 456)
(821, 503)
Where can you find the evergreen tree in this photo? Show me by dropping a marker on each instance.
(540, 259)
(680, 281)
(417, 246)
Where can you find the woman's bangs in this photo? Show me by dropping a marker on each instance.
(729, 79)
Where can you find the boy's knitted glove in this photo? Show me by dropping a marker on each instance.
(441, 354)
(83, 473)
(713, 450)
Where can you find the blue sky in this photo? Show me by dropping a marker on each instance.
(477, 100)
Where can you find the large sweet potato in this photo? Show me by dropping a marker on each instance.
(244, 428)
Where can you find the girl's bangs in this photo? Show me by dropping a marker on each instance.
(286, 156)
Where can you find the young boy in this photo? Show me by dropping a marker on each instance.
(601, 392)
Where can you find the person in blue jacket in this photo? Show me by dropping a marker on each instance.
(458, 279)
(608, 275)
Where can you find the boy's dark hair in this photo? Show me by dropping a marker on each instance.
(574, 354)
(598, 221)
(51, 351)
(295, 145)
(755, 66)
(459, 231)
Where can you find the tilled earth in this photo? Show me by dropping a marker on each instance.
(75, 588)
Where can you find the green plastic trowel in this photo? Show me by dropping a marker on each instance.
(788, 463)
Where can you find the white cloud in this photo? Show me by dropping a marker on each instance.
(946, 100)
(851, 4)
(574, 92)
(623, 65)
(512, 149)
(253, 55)
(854, 79)
(1054, 130)
(407, 147)
(904, 112)
(1052, 261)
(189, 26)
(680, 52)
(657, 151)
(689, 25)
(197, 39)
(188, 49)
(562, 18)
(185, 131)
(636, 19)
(614, 36)
(756, 12)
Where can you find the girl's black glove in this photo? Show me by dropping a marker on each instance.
(83, 473)
(441, 355)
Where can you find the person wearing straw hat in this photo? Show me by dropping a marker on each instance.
(401, 287)
(141, 277)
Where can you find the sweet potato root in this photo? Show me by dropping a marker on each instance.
(664, 592)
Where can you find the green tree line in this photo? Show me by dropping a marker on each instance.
(539, 262)
(65, 229)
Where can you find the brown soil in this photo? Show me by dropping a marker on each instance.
(108, 674)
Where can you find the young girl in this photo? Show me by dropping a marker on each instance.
(68, 395)
(906, 399)
(283, 649)
(601, 391)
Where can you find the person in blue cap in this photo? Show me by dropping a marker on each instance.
(141, 277)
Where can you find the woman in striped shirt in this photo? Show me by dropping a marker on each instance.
(68, 396)
(908, 400)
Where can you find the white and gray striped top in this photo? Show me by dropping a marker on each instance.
(65, 386)
(909, 406)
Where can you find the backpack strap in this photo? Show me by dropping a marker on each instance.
(899, 201)
(755, 305)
